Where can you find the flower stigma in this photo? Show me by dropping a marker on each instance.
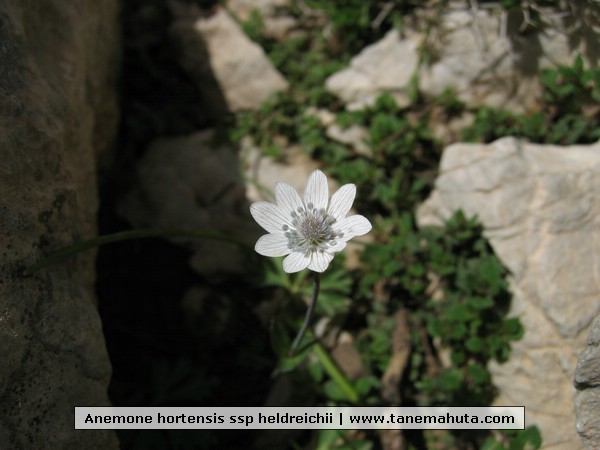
(313, 230)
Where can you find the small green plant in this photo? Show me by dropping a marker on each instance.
(469, 319)
(455, 289)
(527, 439)
(357, 23)
(569, 113)
(254, 26)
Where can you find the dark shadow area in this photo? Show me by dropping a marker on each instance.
(164, 352)
(525, 44)
(585, 19)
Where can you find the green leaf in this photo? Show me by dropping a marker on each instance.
(365, 384)
(513, 328)
(474, 344)
(288, 364)
(451, 379)
(479, 374)
(458, 357)
(528, 439)
(316, 371)
(492, 444)
(334, 392)
(391, 268)
(481, 303)
(326, 439)
(274, 275)
(416, 270)
(355, 445)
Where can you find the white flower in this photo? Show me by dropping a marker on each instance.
(308, 231)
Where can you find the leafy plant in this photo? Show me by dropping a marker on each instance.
(569, 114)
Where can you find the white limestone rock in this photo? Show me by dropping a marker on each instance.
(481, 55)
(232, 72)
(355, 136)
(386, 66)
(262, 172)
(540, 211)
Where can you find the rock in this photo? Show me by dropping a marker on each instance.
(481, 55)
(232, 72)
(346, 356)
(480, 65)
(263, 172)
(538, 206)
(354, 136)
(185, 184)
(58, 115)
(386, 66)
(587, 383)
(325, 117)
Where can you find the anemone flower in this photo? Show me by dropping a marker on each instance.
(310, 230)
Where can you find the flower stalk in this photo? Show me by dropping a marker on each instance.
(66, 252)
(309, 312)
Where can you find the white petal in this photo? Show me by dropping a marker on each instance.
(275, 244)
(295, 262)
(320, 261)
(269, 216)
(317, 191)
(352, 226)
(341, 201)
(287, 198)
(338, 247)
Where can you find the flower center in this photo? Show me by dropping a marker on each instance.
(311, 230)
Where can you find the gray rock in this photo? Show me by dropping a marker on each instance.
(186, 183)
(262, 172)
(481, 55)
(587, 383)
(538, 206)
(386, 66)
(57, 116)
(232, 72)
(354, 136)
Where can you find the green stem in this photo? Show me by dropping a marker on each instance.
(335, 373)
(309, 312)
(326, 361)
(71, 250)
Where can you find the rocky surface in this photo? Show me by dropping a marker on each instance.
(481, 54)
(262, 172)
(58, 67)
(232, 72)
(188, 183)
(538, 205)
(587, 383)
(386, 66)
